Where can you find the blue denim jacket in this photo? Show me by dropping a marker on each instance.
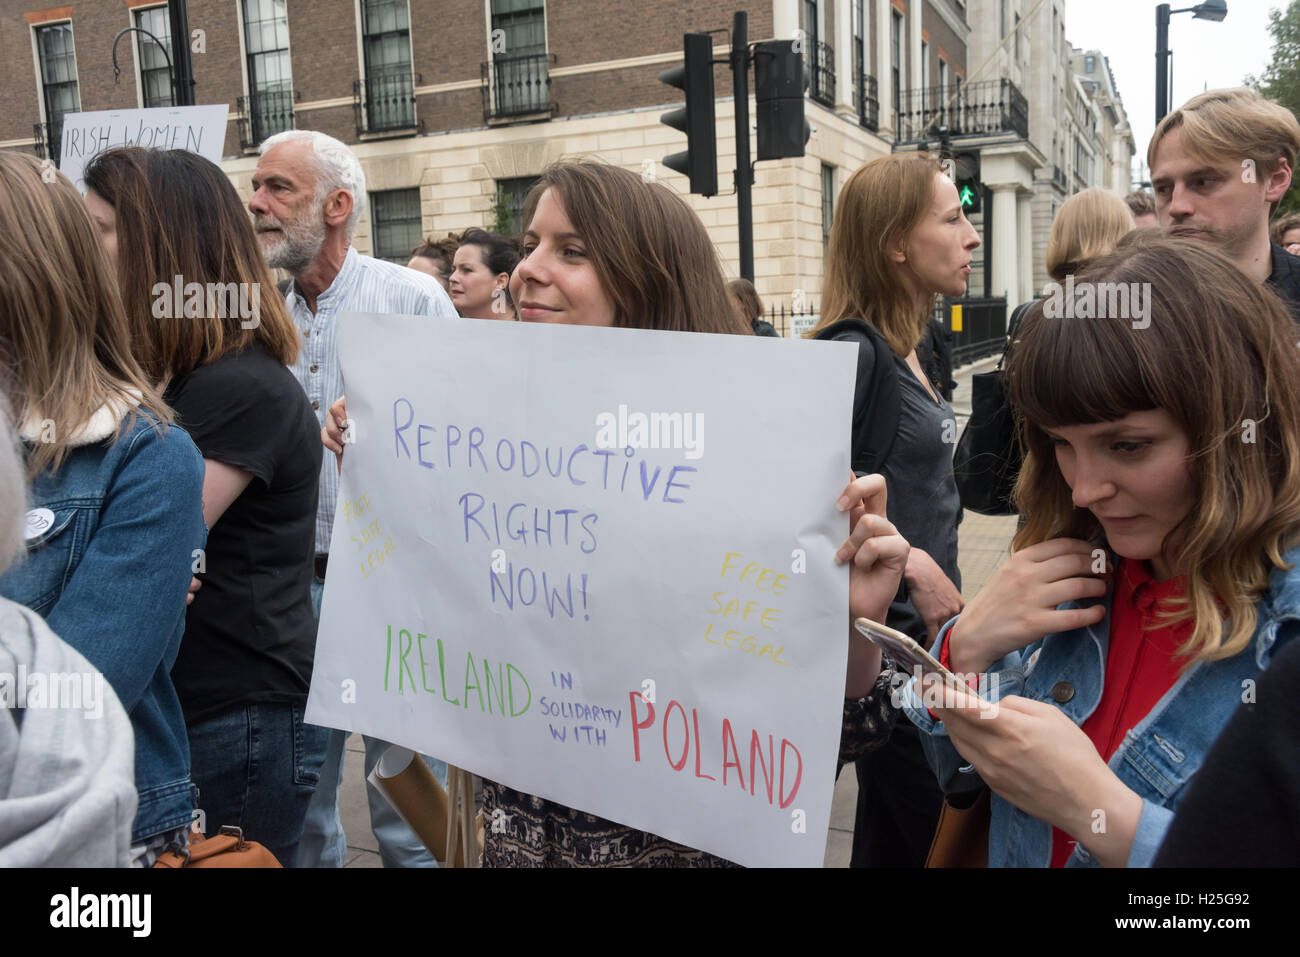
(1157, 757)
(110, 575)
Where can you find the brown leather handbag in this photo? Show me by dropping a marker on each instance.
(224, 849)
(962, 837)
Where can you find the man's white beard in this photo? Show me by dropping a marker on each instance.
(295, 248)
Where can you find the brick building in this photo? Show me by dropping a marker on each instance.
(451, 104)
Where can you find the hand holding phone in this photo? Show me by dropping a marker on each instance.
(905, 651)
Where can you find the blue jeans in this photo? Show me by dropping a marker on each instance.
(257, 767)
(323, 842)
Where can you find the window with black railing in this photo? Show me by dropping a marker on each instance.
(517, 86)
(385, 99)
(155, 73)
(395, 224)
(993, 106)
(819, 64)
(59, 90)
(264, 114)
(866, 98)
(517, 80)
(268, 108)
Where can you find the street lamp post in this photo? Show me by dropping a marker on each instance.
(1214, 10)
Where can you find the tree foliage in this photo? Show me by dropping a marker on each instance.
(1280, 80)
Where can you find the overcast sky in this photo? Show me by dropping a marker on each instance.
(1206, 55)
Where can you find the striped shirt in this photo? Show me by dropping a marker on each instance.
(363, 284)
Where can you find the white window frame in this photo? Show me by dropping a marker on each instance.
(40, 78)
(359, 16)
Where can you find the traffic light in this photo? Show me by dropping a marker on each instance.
(778, 93)
(699, 160)
(966, 169)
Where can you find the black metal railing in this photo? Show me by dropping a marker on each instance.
(994, 106)
(868, 102)
(819, 66)
(791, 322)
(983, 329)
(49, 139)
(264, 114)
(384, 103)
(517, 86)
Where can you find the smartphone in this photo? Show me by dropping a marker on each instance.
(904, 650)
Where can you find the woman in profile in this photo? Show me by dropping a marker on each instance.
(116, 511)
(245, 666)
(900, 239)
(480, 275)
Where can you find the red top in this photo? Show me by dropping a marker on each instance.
(1141, 666)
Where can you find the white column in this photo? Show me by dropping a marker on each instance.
(1006, 248)
(916, 81)
(843, 13)
(884, 79)
(785, 20)
(1025, 244)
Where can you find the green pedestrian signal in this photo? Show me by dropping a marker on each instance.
(966, 175)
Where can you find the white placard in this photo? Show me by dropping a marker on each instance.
(643, 623)
(199, 129)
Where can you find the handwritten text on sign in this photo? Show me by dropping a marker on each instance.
(198, 129)
(617, 629)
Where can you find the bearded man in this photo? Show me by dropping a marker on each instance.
(308, 193)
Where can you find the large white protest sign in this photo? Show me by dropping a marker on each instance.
(199, 129)
(597, 565)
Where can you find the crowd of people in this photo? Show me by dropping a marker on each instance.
(167, 503)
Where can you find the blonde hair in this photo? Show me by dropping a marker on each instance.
(63, 330)
(880, 204)
(1219, 351)
(1087, 226)
(1236, 122)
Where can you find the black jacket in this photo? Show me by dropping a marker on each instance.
(1285, 279)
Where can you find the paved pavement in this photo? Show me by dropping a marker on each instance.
(982, 547)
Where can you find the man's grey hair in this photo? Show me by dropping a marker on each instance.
(13, 490)
(335, 167)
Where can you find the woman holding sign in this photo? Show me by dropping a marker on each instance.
(604, 248)
(115, 515)
(1161, 493)
(219, 348)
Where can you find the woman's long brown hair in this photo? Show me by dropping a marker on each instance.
(178, 215)
(65, 340)
(654, 257)
(1219, 356)
(880, 204)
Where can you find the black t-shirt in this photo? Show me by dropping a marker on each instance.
(250, 635)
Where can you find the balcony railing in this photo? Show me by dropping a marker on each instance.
(49, 139)
(868, 102)
(264, 114)
(993, 106)
(819, 65)
(517, 86)
(384, 103)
